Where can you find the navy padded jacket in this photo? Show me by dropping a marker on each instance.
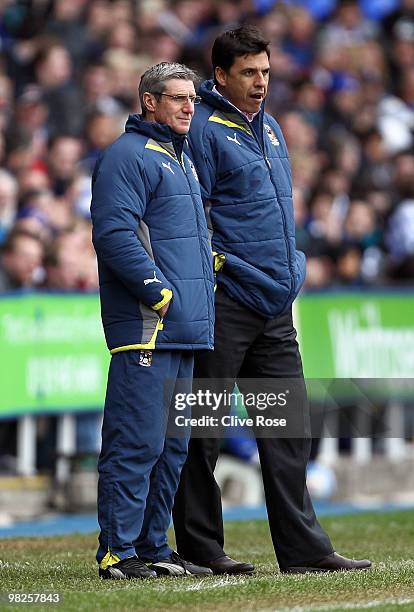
(246, 185)
(151, 239)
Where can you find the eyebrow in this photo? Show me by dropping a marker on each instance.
(181, 93)
(263, 69)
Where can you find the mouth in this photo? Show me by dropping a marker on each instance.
(257, 96)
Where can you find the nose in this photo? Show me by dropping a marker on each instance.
(188, 106)
(260, 79)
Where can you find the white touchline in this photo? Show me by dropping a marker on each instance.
(347, 605)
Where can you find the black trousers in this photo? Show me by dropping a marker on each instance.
(249, 346)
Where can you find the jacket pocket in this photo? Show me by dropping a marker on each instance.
(151, 326)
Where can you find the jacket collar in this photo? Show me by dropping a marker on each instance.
(157, 131)
(214, 99)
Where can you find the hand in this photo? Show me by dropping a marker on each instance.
(163, 310)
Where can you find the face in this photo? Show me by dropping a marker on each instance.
(245, 84)
(56, 68)
(64, 156)
(22, 262)
(175, 113)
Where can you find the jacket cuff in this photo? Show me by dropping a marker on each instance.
(167, 296)
(218, 261)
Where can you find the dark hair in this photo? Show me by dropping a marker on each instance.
(14, 235)
(246, 40)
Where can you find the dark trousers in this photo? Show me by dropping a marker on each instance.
(249, 346)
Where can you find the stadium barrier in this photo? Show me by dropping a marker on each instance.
(54, 360)
(361, 335)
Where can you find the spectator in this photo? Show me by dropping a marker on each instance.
(97, 89)
(66, 24)
(8, 202)
(31, 115)
(6, 101)
(41, 204)
(70, 261)
(361, 225)
(63, 157)
(20, 262)
(124, 69)
(20, 268)
(101, 129)
(70, 264)
(349, 27)
(53, 70)
(342, 89)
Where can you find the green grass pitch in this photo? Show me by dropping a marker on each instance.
(66, 565)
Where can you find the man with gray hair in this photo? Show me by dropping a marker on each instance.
(8, 202)
(157, 303)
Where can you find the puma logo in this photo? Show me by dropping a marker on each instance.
(168, 166)
(147, 281)
(234, 139)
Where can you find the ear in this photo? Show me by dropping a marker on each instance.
(221, 76)
(149, 102)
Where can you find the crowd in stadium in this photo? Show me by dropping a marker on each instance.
(342, 88)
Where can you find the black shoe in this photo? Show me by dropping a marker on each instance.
(331, 563)
(173, 565)
(226, 565)
(132, 567)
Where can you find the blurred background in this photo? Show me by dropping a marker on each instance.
(342, 88)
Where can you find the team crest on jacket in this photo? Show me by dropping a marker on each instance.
(272, 136)
(145, 358)
(193, 170)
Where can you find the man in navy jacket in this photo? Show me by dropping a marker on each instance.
(245, 175)
(157, 303)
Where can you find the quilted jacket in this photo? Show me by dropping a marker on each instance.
(246, 185)
(151, 240)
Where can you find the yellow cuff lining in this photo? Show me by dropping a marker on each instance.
(218, 261)
(108, 560)
(167, 297)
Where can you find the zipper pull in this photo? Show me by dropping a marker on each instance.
(268, 162)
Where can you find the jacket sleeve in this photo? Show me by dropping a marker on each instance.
(119, 201)
(203, 157)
